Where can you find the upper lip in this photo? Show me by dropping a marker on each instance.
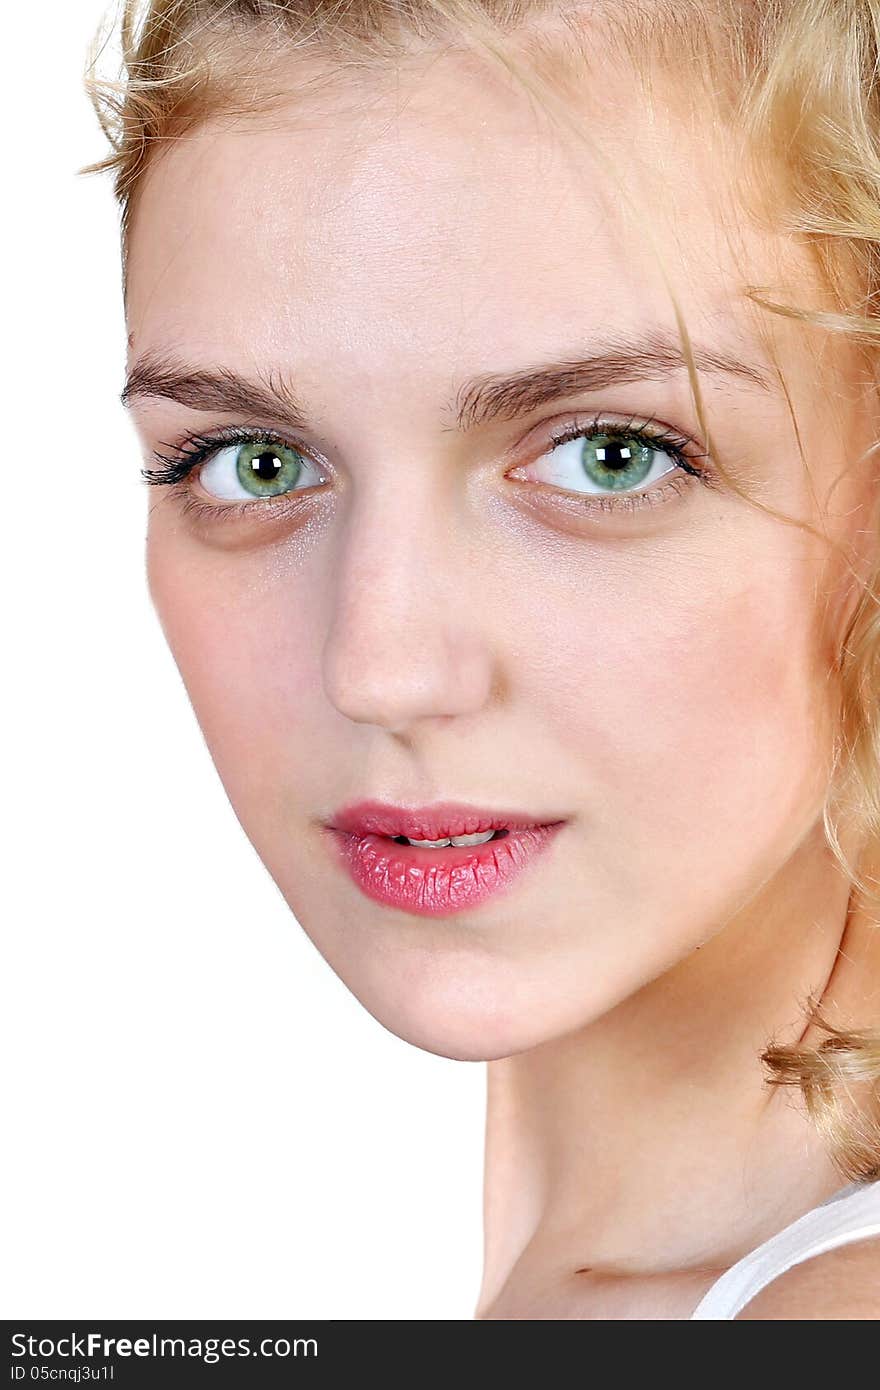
(438, 821)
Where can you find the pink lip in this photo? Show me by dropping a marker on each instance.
(434, 822)
(435, 882)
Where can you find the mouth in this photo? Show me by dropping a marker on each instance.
(437, 860)
(458, 841)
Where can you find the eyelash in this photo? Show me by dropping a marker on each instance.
(198, 448)
(668, 441)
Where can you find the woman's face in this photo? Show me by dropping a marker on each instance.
(429, 609)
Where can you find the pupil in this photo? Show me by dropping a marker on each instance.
(266, 466)
(614, 454)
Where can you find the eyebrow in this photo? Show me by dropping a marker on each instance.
(484, 398)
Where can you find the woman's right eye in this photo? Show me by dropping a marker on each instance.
(236, 465)
(254, 469)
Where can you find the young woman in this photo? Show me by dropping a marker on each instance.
(506, 376)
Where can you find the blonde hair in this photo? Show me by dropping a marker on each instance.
(798, 81)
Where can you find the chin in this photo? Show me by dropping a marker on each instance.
(480, 1012)
(461, 1039)
(467, 991)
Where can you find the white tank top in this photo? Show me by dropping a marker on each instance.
(850, 1214)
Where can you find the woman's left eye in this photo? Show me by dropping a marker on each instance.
(616, 463)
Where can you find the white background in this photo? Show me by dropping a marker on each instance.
(200, 1120)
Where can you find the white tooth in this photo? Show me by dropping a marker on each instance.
(455, 840)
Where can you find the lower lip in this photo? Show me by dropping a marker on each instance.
(439, 882)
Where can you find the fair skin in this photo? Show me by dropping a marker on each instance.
(416, 624)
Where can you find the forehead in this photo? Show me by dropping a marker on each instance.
(438, 211)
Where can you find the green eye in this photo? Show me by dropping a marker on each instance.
(265, 470)
(251, 469)
(616, 462)
(600, 462)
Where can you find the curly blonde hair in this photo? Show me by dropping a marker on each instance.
(800, 84)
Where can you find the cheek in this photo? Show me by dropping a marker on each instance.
(244, 639)
(690, 705)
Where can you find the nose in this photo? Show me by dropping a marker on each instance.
(408, 638)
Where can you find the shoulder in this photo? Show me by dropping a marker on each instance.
(842, 1284)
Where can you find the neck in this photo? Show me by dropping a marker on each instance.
(647, 1145)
